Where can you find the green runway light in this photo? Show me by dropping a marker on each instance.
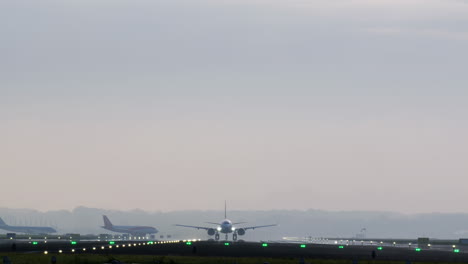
(73, 242)
(264, 245)
(226, 244)
(150, 243)
(456, 250)
(341, 247)
(303, 246)
(418, 249)
(380, 248)
(189, 243)
(35, 243)
(111, 242)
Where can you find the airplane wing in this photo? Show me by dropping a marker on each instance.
(212, 223)
(197, 227)
(238, 223)
(253, 227)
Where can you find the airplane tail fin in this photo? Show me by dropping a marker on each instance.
(225, 210)
(2, 223)
(107, 222)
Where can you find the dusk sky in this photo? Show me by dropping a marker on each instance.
(269, 104)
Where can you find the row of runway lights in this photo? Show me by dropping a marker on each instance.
(348, 242)
(189, 242)
(99, 239)
(456, 250)
(352, 242)
(113, 245)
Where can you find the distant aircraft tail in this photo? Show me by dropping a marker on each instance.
(107, 222)
(2, 223)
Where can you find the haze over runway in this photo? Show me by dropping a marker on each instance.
(325, 104)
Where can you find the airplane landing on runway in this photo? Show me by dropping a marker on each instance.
(226, 227)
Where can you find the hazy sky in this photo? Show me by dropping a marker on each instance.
(292, 104)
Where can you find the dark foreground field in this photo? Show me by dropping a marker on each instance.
(143, 259)
(220, 253)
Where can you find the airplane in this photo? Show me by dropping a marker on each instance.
(132, 230)
(27, 229)
(225, 227)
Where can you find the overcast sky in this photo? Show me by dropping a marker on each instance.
(269, 104)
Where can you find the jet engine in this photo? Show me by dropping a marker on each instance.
(211, 231)
(241, 231)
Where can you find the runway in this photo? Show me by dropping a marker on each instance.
(240, 249)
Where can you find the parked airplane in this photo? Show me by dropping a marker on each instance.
(132, 230)
(225, 227)
(27, 229)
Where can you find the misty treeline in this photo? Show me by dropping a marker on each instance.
(291, 223)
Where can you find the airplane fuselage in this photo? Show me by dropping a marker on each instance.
(133, 230)
(226, 227)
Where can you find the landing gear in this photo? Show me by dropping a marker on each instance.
(226, 237)
(234, 237)
(217, 236)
